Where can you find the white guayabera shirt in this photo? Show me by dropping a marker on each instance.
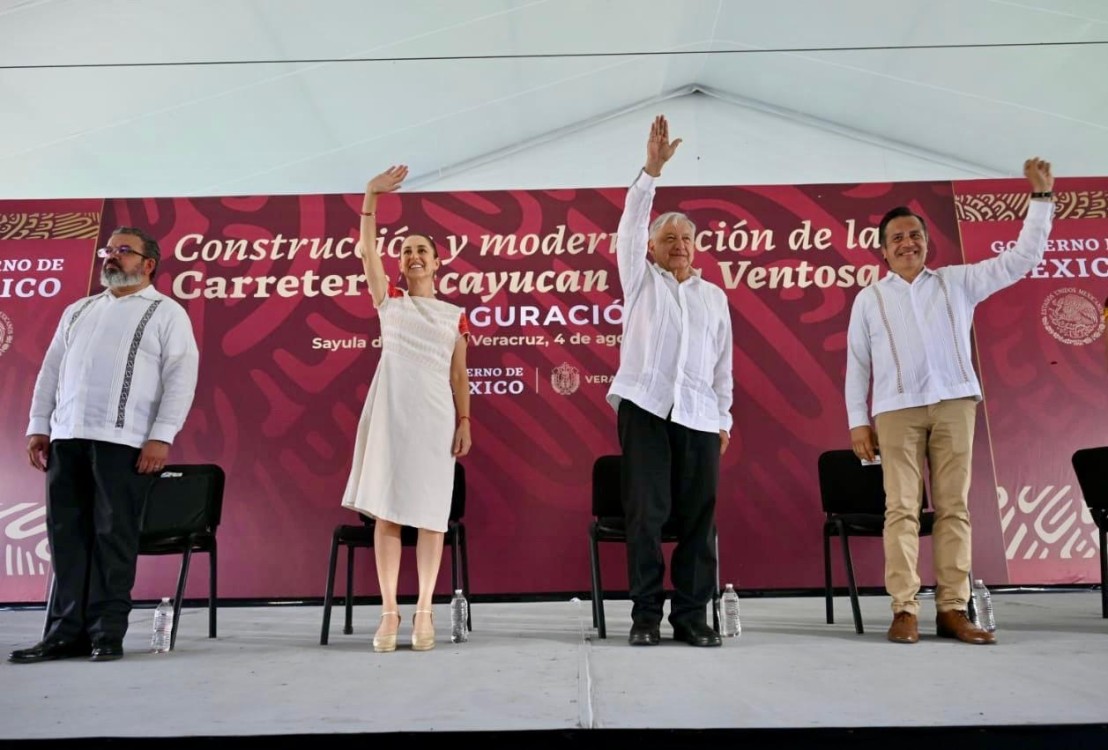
(915, 338)
(675, 359)
(119, 369)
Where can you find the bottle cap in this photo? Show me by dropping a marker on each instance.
(978, 582)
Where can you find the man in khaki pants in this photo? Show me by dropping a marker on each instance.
(911, 332)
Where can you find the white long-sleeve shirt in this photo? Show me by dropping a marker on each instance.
(119, 369)
(675, 358)
(915, 338)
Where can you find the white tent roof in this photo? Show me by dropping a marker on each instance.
(210, 97)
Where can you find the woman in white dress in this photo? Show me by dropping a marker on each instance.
(415, 422)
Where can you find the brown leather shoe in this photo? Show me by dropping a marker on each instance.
(955, 623)
(905, 628)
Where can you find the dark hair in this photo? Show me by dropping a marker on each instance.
(430, 241)
(897, 213)
(149, 245)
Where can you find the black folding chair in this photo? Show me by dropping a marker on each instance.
(352, 536)
(853, 498)
(608, 526)
(1091, 467)
(181, 513)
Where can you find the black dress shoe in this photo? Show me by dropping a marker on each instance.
(644, 635)
(49, 650)
(696, 634)
(106, 649)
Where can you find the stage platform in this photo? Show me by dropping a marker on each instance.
(535, 674)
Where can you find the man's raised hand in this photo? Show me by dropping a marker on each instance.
(659, 148)
(1039, 175)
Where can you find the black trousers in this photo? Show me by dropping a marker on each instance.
(94, 501)
(670, 473)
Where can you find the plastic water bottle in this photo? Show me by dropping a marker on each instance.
(983, 607)
(459, 617)
(729, 625)
(163, 627)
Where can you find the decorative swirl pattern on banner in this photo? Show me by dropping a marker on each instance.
(1073, 204)
(1052, 523)
(1082, 204)
(7, 333)
(49, 226)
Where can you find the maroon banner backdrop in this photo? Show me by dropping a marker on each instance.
(289, 341)
(47, 254)
(1042, 361)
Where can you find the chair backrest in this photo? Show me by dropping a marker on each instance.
(457, 497)
(606, 487)
(845, 486)
(184, 499)
(1091, 467)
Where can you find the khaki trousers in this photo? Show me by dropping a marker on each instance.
(942, 434)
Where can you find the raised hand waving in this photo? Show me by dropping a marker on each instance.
(659, 148)
(389, 180)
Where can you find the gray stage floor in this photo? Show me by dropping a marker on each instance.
(539, 666)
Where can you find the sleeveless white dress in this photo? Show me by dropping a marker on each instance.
(403, 469)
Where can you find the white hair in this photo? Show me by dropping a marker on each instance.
(666, 218)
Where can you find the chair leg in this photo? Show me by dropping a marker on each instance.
(594, 557)
(597, 591)
(179, 598)
(828, 591)
(454, 562)
(1104, 573)
(328, 594)
(593, 598)
(971, 606)
(456, 568)
(715, 593)
(212, 596)
(348, 626)
(463, 564)
(854, 606)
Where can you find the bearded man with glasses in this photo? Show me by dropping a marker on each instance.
(113, 391)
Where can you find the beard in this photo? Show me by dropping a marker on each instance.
(114, 278)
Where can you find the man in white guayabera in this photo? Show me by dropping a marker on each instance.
(911, 332)
(114, 389)
(672, 395)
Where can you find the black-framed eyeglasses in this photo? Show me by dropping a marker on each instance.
(124, 250)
